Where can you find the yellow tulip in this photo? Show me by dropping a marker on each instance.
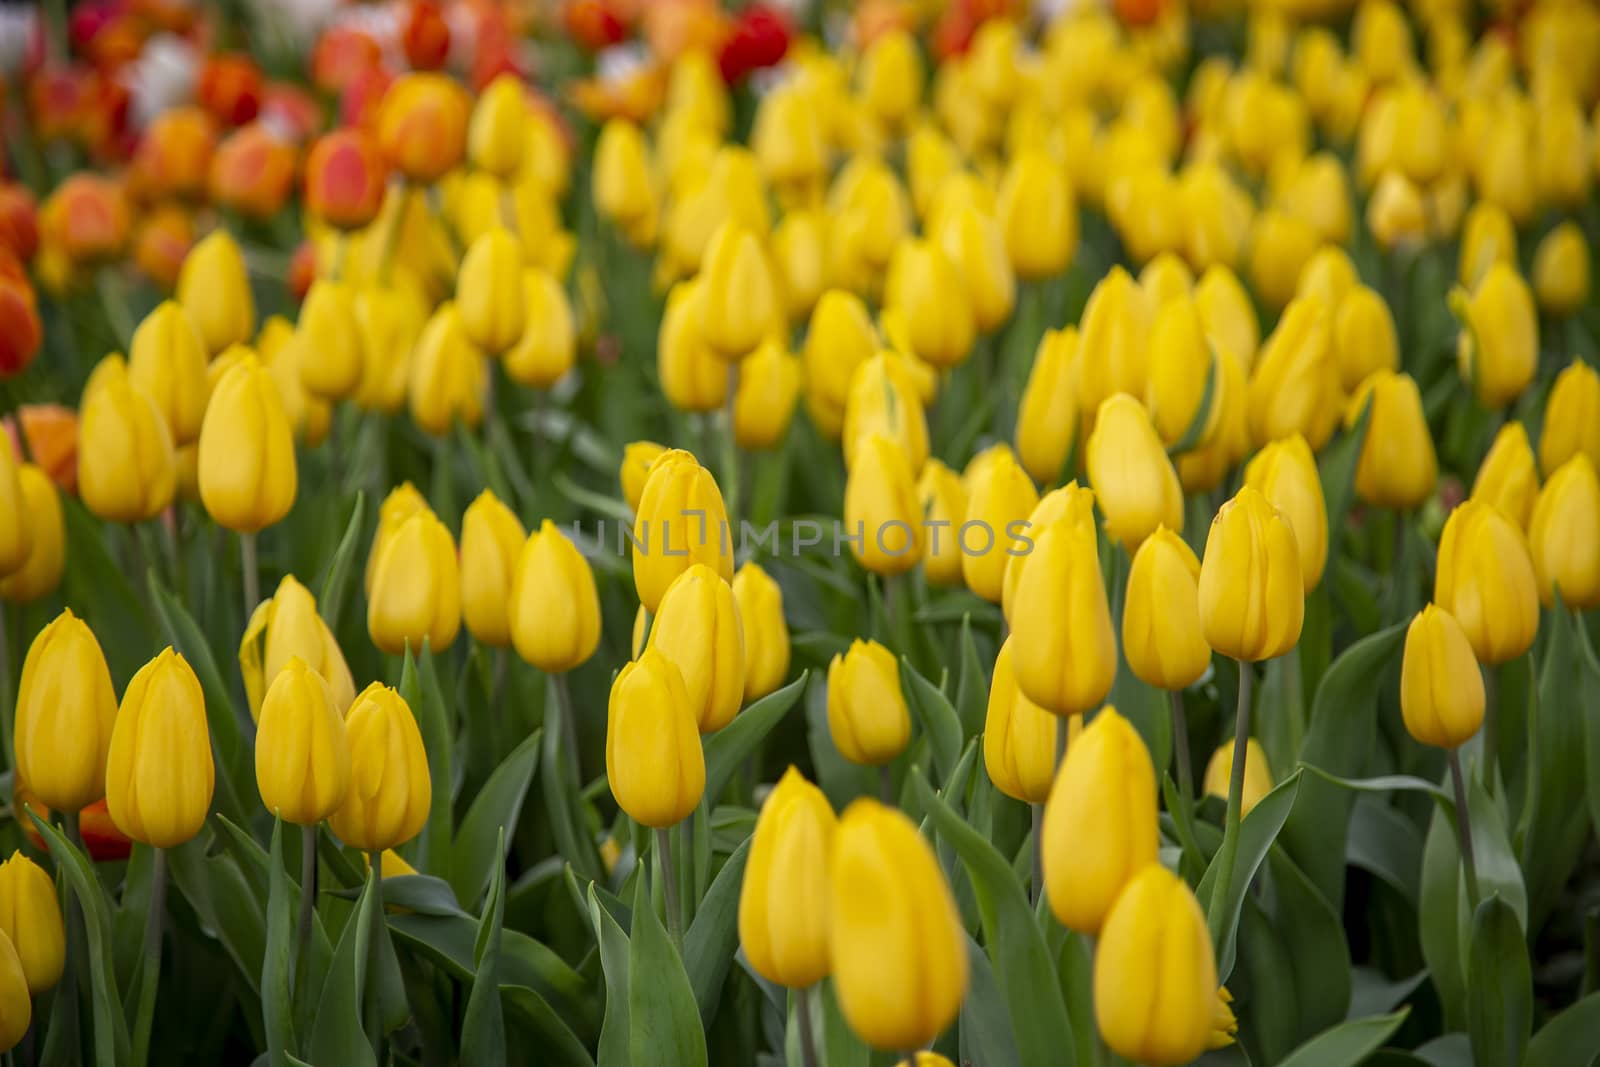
(1161, 635)
(1330, 275)
(1561, 154)
(800, 260)
(1508, 478)
(790, 139)
(1216, 216)
(1113, 342)
(1099, 822)
(248, 477)
(1134, 481)
(1364, 338)
(1285, 473)
(328, 342)
(928, 290)
(548, 346)
(416, 588)
(839, 338)
(284, 627)
(654, 762)
(944, 509)
(127, 469)
(302, 752)
(697, 629)
(40, 503)
(64, 716)
(1561, 270)
(1498, 347)
(390, 318)
(1037, 214)
(1257, 773)
(738, 295)
(1000, 499)
(1488, 237)
(1071, 502)
(867, 713)
(159, 774)
(498, 131)
(1282, 245)
(1404, 128)
(1571, 418)
(1252, 593)
(16, 1009)
(489, 292)
(1486, 579)
(1047, 416)
(402, 502)
(637, 456)
(1441, 689)
(883, 400)
(783, 900)
(766, 634)
(1396, 214)
(167, 361)
(448, 375)
(1318, 191)
(1182, 367)
(30, 918)
(973, 242)
(491, 543)
(16, 524)
(1166, 278)
(882, 512)
(1019, 737)
(554, 610)
(1065, 652)
(391, 791)
(764, 403)
(681, 521)
(895, 937)
(1295, 378)
(890, 76)
(692, 377)
(215, 290)
(1564, 535)
(1397, 468)
(1229, 316)
(623, 189)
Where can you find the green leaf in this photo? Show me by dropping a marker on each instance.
(663, 1020)
(1499, 986)
(1024, 969)
(938, 719)
(985, 1026)
(1438, 899)
(1337, 468)
(972, 691)
(451, 941)
(1568, 1039)
(1202, 412)
(1348, 1043)
(226, 901)
(557, 1044)
(1313, 935)
(277, 966)
(1385, 783)
(421, 893)
(419, 686)
(728, 747)
(614, 950)
(494, 812)
(111, 1044)
(713, 936)
(1257, 832)
(336, 580)
(1591, 729)
(483, 1027)
(1384, 842)
(337, 1035)
(563, 805)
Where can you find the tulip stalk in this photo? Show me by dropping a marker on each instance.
(308, 902)
(1230, 832)
(250, 572)
(1180, 746)
(150, 975)
(1491, 728)
(730, 448)
(808, 1038)
(1037, 812)
(669, 886)
(1464, 830)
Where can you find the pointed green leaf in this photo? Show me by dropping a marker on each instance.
(494, 811)
(728, 747)
(938, 719)
(419, 685)
(1499, 986)
(1256, 834)
(615, 1032)
(663, 1021)
(1347, 1044)
(337, 1035)
(483, 1028)
(335, 585)
(277, 999)
(713, 936)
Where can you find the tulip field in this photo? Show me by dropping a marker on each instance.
(794, 533)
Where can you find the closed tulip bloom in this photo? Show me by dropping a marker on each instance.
(1441, 688)
(693, 378)
(390, 319)
(248, 477)
(898, 948)
(127, 469)
(40, 573)
(1508, 477)
(448, 374)
(402, 502)
(1330, 275)
(554, 609)
(167, 361)
(16, 1009)
(1019, 737)
(499, 127)
(783, 900)
(1486, 579)
(1498, 347)
(890, 77)
(422, 125)
(491, 542)
(1038, 215)
(1113, 342)
(345, 178)
(1047, 415)
(1293, 383)
(999, 501)
(215, 290)
(882, 507)
(390, 790)
(681, 521)
(327, 341)
(654, 762)
(1561, 270)
(623, 192)
(1134, 481)
(302, 753)
(839, 338)
(1099, 822)
(1285, 473)
(1252, 590)
(867, 713)
(1166, 278)
(64, 716)
(766, 634)
(637, 456)
(1155, 976)
(286, 626)
(790, 139)
(1561, 157)
(16, 526)
(1257, 773)
(697, 629)
(1161, 634)
(549, 343)
(974, 243)
(1228, 314)
(30, 917)
(927, 289)
(1396, 214)
(1182, 367)
(800, 259)
(944, 509)
(1364, 338)
(764, 403)
(739, 297)
(1571, 418)
(1282, 245)
(1564, 536)
(1071, 502)
(1397, 468)
(1064, 651)
(489, 292)
(1487, 237)
(159, 774)
(884, 400)
(416, 588)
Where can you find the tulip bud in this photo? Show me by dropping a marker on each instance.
(1099, 822)
(40, 572)
(126, 468)
(389, 319)
(159, 774)
(898, 948)
(697, 629)
(1252, 589)
(766, 634)
(881, 507)
(790, 138)
(1487, 238)
(1283, 245)
(16, 523)
(1155, 976)
(491, 543)
(302, 753)
(1441, 687)
(422, 125)
(1257, 773)
(1229, 317)
(944, 509)
(1037, 215)
(890, 77)
(867, 713)
(999, 501)
(1564, 536)
(840, 338)
(390, 791)
(64, 716)
(1561, 270)
(1165, 278)
(345, 178)
(783, 901)
(1285, 473)
(654, 761)
(1161, 635)
(623, 192)
(1064, 653)
(739, 299)
(30, 918)
(1364, 338)
(1113, 342)
(248, 478)
(416, 588)
(883, 400)
(402, 502)
(1498, 347)
(1295, 378)
(1561, 156)
(637, 457)
(927, 289)
(548, 347)
(1396, 214)
(1508, 478)
(214, 289)
(554, 609)
(799, 259)
(167, 361)
(1134, 481)
(1019, 737)
(498, 129)
(1397, 468)
(1071, 502)
(692, 377)
(448, 374)
(1571, 418)
(1047, 416)
(1486, 579)
(286, 626)
(327, 341)
(1183, 369)
(488, 292)
(16, 1009)
(1329, 275)
(682, 504)
(763, 405)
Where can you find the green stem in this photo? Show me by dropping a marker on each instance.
(115, 304)
(568, 724)
(885, 785)
(1491, 729)
(375, 954)
(669, 884)
(1037, 811)
(1180, 747)
(308, 904)
(1220, 888)
(150, 977)
(730, 449)
(1464, 830)
(252, 575)
(808, 1039)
